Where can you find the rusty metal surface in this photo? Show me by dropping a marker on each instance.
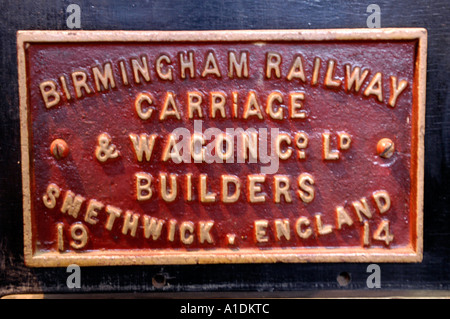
(362, 199)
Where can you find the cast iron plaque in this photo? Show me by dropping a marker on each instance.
(222, 146)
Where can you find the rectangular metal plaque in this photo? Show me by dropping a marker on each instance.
(142, 147)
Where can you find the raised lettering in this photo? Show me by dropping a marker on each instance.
(253, 189)
(240, 67)
(141, 98)
(168, 196)
(396, 90)
(282, 229)
(306, 191)
(92, 211)
(261, 231)
(143, 145)
(163, 75)
(273, 64)
(49, 94)
(53, 192)
(140, 68)
(72, 204)
(104, 81)
(281, 188)
(152, 227)
(143, 186)
(226, 196)
(130, 223)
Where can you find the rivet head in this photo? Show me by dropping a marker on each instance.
(59, 149)
(385, 148)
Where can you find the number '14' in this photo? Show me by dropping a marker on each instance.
(382, 233)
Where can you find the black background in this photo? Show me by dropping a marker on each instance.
(229, 280)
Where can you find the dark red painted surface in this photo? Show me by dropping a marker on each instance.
(358, 173)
